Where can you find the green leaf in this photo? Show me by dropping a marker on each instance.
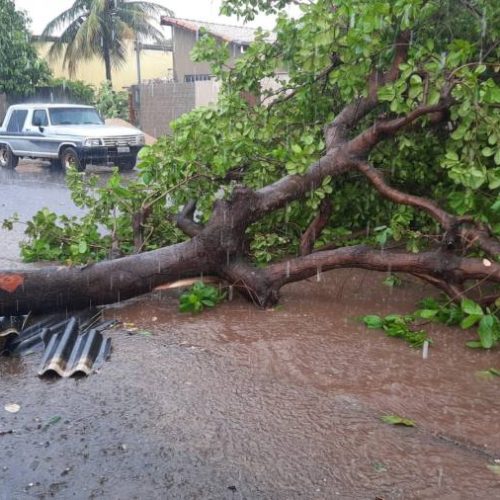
(373, 321)
(494, 178)
(470, 307)
(387, 93)
(451, 155)
(427, 313)
(82, 247)
(474, 344)
(470, 320)
(397, 420)
(487, 151)
(495, 468)
(489, 374)
(485, 331)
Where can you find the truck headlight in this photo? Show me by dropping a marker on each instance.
(141, 140)
(93, 142)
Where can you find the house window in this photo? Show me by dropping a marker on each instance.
(196, 78)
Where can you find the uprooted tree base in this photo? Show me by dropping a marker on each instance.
(220, 246)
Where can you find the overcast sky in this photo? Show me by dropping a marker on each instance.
(42, 11)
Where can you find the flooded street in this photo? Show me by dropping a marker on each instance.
(32, 186)
(243, 403)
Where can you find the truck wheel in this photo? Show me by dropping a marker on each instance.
(126, 164)
(70, 158)
(7, 158)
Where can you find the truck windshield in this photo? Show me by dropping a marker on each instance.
(74, 116)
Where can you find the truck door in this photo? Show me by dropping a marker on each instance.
(40, 140)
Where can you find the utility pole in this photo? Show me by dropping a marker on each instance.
(138, 58)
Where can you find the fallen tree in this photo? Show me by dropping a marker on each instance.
(371, 84)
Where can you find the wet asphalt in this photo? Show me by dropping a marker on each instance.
(24, 191)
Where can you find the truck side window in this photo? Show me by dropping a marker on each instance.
(17, 119)
(41, 116)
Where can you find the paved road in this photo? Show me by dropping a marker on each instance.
(25, 190)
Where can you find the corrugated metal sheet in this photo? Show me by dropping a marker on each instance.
(69, 353)
(6, 337)
(9, 330)
(70, 346)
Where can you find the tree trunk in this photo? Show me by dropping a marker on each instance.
(106, 54)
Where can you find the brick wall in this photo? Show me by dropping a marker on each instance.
(156, 105)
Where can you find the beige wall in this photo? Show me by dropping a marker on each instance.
(154, 64)
(206, 93)
(184, 42)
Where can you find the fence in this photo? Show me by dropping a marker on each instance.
(156, 105)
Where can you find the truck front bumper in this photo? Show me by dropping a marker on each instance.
(98, 155)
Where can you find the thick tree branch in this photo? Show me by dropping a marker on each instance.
(185, 221)
(361, 145)
(64, 288)
(437, 265)
(377, 179)
(294, 187)
(481, 237)
(138, 221)
(463, 229)
(454, 292)
(313, 232)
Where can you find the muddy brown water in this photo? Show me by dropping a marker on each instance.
(241, 403)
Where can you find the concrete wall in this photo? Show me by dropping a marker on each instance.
(156, 105)
(206, 93)
(183, 43)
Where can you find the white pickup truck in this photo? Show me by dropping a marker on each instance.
(67, 135)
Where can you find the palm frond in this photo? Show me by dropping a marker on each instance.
(64, 39)
(79, 8)
(138, 22)
(150, 8)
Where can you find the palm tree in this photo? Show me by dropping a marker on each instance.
(99, 28)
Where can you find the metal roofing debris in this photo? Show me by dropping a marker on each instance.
(72, 346)
(9, 330)
(6, 336)
(242, 35)
(69, 353)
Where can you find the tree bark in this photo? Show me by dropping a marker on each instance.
(106, 55)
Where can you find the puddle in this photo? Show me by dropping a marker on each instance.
(243, 403)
